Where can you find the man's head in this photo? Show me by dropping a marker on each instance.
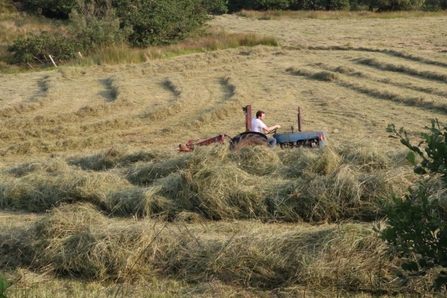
(260, 115)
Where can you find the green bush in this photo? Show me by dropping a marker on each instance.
(101, 23)
(237, 5)
(398, 5)
(161, 22)
(7, 7)
(216, 6)
(417, 224)
(4, 285)
(37, 48)
(59, 9)
(95, 26)
(434, 5)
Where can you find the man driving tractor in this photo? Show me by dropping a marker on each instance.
(258, 125)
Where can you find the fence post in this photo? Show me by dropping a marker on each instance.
(52, 60)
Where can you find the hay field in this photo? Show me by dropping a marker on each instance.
(100, 142)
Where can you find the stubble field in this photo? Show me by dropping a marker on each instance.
(107, 135)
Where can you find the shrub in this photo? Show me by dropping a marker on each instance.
(431, 5)
(96, 26)
(325, 4)
(37, 48)
(59, 9)
(398, 5)
(216, 6)
(237, 5)
(417, 223)
(7, 7)
(4, 285)
(161, 22)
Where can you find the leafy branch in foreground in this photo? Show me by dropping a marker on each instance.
(416, 223)
(4, 285)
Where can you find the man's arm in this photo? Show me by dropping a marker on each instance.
(269, 129)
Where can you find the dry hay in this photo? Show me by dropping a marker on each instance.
(40, 187)
(115, 157)
(257, 161)
(295, 185)
(89, 245)
(139, 203)
(147, 199)
(76, 240)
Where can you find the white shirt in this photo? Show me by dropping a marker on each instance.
(257, 125)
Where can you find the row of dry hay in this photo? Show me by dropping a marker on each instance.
(193, 211)
(78, 241)
(214, 183)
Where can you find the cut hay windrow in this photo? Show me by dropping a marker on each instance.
(394, 53)
(404, 69)
(38, 146)
(227, 107)
(253, 183)
(39, 190)
(116, 157)
(421, 87)
(175, 85)
(79, 241)
(330, 76)
(46, 94)
(46, 125)
(388, 95)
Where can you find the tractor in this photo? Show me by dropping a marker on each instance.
(292, 139)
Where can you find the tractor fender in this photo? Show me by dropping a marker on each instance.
(248, 138)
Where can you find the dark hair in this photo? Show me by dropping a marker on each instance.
(259, 114)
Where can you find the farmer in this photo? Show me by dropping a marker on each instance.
(258, 125)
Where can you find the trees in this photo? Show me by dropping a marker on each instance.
(417, 223)
(398, 5)
(59, 9)
(161, 22)
(236, 5)
(101, 23)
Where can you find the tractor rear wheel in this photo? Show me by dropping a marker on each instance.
(248, 139)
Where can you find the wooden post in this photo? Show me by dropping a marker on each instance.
(247, 110)
(51, 58)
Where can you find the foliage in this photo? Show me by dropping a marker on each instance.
(4, 285)
(417, 224)
(216, 7)
(397, 5)
(37, 48)
(335, 4)
(7, 7)
(103, 23)
(96, 26)
(434, 5)
(236, 5)
(162, 22)
(50, 8)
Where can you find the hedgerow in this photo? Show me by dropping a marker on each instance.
(39, 48)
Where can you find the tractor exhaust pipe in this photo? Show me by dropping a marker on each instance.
(247, 111)
(299, 119)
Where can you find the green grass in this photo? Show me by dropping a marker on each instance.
(209, 39)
